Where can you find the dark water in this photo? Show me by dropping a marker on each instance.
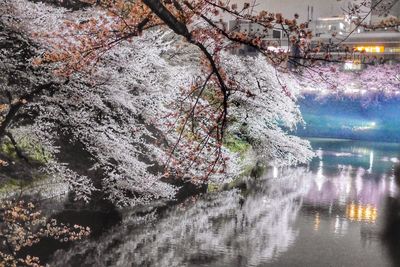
(342, 210)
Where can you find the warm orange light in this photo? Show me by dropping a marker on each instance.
(317, 222)
(370, 49)
(366, 213)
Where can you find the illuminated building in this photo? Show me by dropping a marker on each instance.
(326, 20)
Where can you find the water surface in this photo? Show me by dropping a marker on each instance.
(342, 210)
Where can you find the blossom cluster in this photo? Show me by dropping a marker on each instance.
(23, 225)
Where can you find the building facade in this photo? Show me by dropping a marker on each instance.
(330, 25)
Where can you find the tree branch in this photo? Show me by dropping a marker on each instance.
(15, 107)
(16, 148)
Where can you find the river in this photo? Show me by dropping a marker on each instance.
(341, 210)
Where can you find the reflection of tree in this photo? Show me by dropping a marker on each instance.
(218, 229)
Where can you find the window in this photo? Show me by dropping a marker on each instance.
(276, 34)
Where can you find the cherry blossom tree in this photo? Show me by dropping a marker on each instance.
(156, 107)
(150, 91)
(373, 79)
(23, 225)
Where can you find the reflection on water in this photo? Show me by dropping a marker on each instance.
(336, 212)
(367, 213)
(346, 206)
(231, 228)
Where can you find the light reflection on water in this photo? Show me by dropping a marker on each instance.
(333, 213)
(344, 214)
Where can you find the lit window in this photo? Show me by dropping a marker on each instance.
(370, 49)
